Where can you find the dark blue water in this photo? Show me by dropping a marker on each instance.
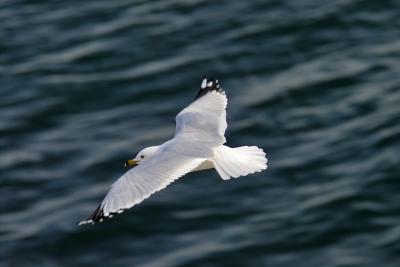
(84, 85)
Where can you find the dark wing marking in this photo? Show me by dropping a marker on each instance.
(209, 86)
(98, 216)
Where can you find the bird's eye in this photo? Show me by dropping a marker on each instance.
(142, 156)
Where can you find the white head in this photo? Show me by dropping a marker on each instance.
(142, 156)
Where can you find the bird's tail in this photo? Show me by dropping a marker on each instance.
(239, 161)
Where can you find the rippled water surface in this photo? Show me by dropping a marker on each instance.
(84, 85)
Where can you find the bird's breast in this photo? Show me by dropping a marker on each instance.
(207, 164)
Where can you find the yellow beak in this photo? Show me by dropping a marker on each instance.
(131, 162)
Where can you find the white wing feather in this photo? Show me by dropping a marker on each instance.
(203, 122)
(140, 182)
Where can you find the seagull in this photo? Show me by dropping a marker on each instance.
(198, 144)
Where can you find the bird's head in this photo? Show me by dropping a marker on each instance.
(142, 156)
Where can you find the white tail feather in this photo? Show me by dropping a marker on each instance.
(240, 161)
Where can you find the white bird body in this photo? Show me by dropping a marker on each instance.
(205, 165)
(198, 144)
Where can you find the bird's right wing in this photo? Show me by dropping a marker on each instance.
(140, 182)
(204, 120)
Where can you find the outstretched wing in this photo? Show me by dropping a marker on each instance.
(140, 182)
(204, 120)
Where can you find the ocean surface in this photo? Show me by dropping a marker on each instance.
(85, 85)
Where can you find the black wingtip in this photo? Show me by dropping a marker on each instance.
(97, 216)
(208, 86)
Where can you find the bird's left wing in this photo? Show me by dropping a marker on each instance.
(140, 182)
